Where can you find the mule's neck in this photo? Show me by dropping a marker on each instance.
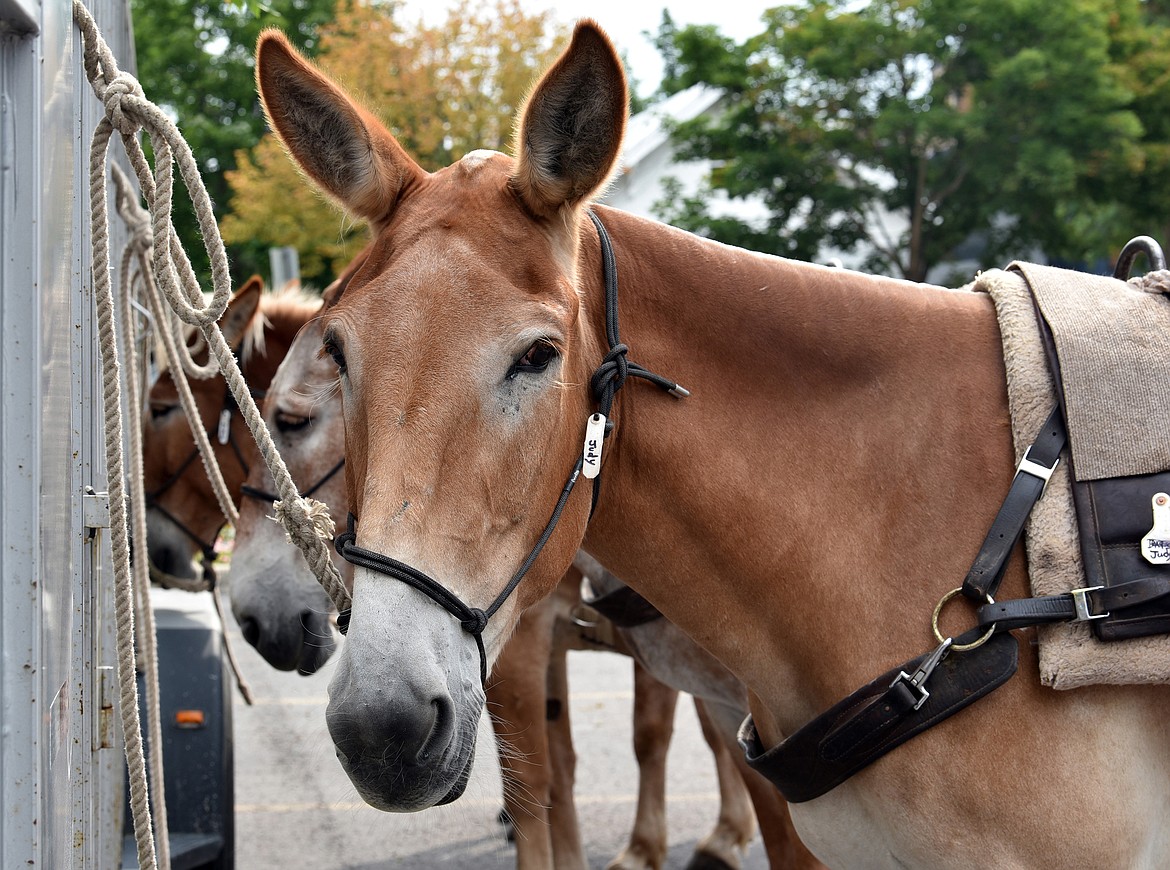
(842, 451)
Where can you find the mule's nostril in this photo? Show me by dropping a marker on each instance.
(442, 729)
(251, 630)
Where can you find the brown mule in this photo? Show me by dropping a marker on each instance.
(183, 515)
(271, 586)
(844, 449)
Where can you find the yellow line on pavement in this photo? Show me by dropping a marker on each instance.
(349, 806)
(322, 700)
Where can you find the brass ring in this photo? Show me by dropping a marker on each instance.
(959, 647)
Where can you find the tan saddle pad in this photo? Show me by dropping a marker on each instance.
(1070, 656)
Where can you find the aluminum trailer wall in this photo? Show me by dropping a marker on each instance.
(61, 767)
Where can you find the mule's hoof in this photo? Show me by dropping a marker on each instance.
(507, 824)
(707, 861)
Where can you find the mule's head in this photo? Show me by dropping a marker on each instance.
(183, 516)
(281, 608)
(464, 353)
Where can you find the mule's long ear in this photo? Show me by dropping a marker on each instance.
(341, 146)
(241, 309)
(570, 133)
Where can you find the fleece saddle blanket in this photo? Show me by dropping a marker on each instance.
(1113, 342)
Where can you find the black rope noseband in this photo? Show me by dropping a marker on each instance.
(606, 381)
(264, 495)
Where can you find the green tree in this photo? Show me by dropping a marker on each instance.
(443, 90)
(1003, 118)
(1140, 44)
(195, 58)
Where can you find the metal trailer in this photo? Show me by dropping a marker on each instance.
(62, 770)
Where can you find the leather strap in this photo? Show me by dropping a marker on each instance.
(1028, 485)
(895, 707)
(1096, 603)
(624, 607)
(877, 718)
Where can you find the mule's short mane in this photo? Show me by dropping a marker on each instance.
(292, 303)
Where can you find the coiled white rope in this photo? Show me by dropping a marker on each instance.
(143, 613)
(135, 270)
(308, 525)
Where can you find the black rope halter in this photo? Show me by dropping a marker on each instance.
(264, 495)
(223, 434)
(153, 498)
(606, 381)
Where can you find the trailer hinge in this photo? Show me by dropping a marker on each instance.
(106, 688)
(95, 509)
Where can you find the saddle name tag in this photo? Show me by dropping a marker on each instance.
(1156, 544)
(594, 438)
(225, 426)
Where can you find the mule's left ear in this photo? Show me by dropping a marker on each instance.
(570, 134)
(240, 311)
(343, 148)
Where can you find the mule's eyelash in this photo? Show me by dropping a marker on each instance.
(537, 358)
(329, 346)
(286, 422)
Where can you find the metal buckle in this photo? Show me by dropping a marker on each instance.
(1036, 469)
(918, 681)
(1081, 602)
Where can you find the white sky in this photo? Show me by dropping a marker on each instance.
(625, 20)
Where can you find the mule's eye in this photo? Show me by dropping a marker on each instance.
(291, 422)
(535, 359)
(158, 410)
(338, 357)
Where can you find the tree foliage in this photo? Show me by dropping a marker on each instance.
(195, 59)
(443, 91)
(1018, 122)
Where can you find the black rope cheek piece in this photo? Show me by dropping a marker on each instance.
(615, 368)
(606, 381)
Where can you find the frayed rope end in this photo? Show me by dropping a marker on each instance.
(316, 513)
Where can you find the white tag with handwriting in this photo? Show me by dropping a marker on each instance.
(594, 437)
(1156, 544)
(225, 426)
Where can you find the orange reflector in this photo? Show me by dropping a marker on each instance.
(189, 718)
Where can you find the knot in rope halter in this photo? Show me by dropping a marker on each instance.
(607, 379)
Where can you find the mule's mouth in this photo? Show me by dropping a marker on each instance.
(410, 788)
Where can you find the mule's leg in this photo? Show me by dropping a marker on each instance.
(516, 700)
(783, 847)
(654, 704)
(568, 853)
(724, 847)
